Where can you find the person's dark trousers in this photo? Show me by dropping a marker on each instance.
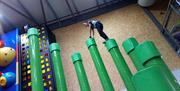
(99, 27)
(177, 36)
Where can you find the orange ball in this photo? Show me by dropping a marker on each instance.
(1, 43)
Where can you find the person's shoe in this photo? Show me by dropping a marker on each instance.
(104, 42)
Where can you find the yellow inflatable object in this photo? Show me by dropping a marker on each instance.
(3, 81)
(7, 55)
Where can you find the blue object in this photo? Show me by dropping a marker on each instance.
(10, 40)
(10, 78)
(28, 62)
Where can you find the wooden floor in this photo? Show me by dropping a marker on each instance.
(119, 24)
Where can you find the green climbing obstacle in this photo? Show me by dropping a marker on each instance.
(129, 46)
(153, 74)
(80, 72)
(101, 70)
(34, 52)
(58, 67)
(120, 63)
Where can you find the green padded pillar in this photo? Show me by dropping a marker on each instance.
(153, 79)
(99, 65)
(34, 52)
(120, 63)
(129, 45)
(146, 55)
(58, 67)
(80, 72)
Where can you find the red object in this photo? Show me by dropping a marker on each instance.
(0, 74)
(1, 43)
(46, 54)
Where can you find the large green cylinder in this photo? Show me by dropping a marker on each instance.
(101, 70)
(129, 45)
(120, 63)
(58, 67)
(147, 57)
(80, 72)
(34, 52)
(153, 78)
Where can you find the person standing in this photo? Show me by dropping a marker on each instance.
(96, 25)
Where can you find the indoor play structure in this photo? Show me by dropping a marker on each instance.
(38, 65)
(8, 61)
(34, 45)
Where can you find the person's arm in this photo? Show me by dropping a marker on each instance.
(91, 28)
(90, 33)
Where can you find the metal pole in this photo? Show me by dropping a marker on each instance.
(120, 63)
(75, 7)
(80, 72)
(97, 3)
(53, 11)
(69, 7)
(26, 10)
(43, 11)
(101, 70)
(58, 67)
(36, 73)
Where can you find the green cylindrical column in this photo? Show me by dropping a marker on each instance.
(80, 72)
(153, 78)
(129, 45)
(34, 52)
(146, 55)
(58, 67)
(120, 63)
(101, 70)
